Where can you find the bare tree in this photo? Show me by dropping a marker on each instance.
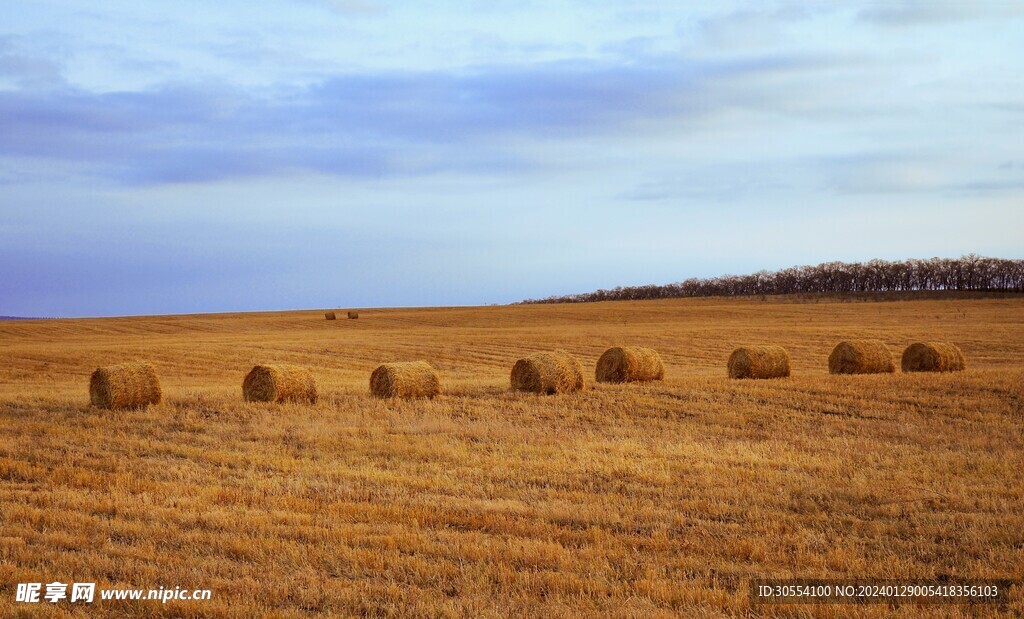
(970, 272)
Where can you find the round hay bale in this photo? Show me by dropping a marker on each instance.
(759, 362)
(861, 357)
(548, 373)
(279, 383)
(330, 316)
(933, 357)
(128, 385)
(353, 315)
(408, 379)
(623, 364)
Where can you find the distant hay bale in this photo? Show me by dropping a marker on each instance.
(861, 357)
(330, 316)
(129, 385)
(623, 364)
(408, 379)
(933, 357)
(759, 362)
(279, 383)
(548, 373)
(353, 315)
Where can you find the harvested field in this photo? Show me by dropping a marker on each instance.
(640, 499)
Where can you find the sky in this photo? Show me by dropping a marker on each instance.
(192, 156)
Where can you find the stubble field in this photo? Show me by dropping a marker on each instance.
(661, 499)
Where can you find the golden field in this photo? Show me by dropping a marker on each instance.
(624, 500)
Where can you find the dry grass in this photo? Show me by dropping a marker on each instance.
(861, 357)
(654, 499)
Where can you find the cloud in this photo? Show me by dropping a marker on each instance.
(365, 125)
(899, 13)
(857, 175)
(891, 173)
(768, 26)
(27, 70)
(351, 8)
(706, 184)
(356, 7)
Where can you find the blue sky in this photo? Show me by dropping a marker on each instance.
(195, 156)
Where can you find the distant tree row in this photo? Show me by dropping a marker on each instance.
(969, 272)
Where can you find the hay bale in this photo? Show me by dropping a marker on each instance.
(759, 362)
(933, 357)
(629, 364)
(279, 383)
(353, 315)
(861, 357)
(408, 379)
(330, 316)
(129, 385)
(548, 373)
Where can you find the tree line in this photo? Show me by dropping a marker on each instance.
(968, 273)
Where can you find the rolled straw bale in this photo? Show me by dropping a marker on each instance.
(279, 383)
(129, 385)
(330, 316)
(759, 362)
(861, 357)
(629, 364)
(353, 315)
(933, 357)
(407, 379)
(548, 372)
